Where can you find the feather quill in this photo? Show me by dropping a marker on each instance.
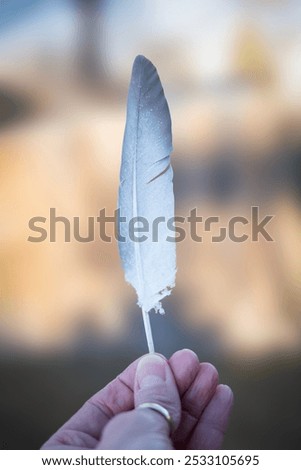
(146, 193)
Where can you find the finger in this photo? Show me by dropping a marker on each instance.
(84, 428)
(146, 428)
(210, 430)
(185, 366)
(194, 401)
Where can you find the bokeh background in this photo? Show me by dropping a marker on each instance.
(69, 323)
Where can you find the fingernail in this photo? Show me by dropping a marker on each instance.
(190, 352)
(151, 371)
(227, 393)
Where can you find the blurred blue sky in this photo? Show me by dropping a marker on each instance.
(203, 28)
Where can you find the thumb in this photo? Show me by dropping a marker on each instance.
(145, 428)
(155, 383)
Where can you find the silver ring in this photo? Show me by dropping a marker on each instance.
(160, 409)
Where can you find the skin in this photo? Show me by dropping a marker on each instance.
(189, 390)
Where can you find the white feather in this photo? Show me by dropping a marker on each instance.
(146, 190)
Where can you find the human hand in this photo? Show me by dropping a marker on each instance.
(199, 408)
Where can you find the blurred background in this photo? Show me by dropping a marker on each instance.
(68, 321)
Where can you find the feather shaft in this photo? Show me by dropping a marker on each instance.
(148, 332)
